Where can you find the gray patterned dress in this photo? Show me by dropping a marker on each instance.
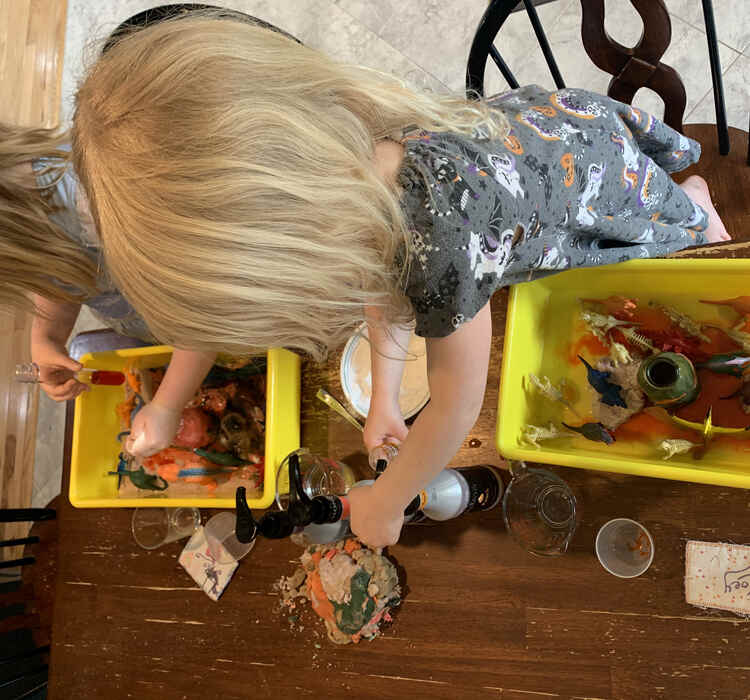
(581, 180)
(109, 306)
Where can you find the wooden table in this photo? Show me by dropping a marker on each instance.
(481, 618)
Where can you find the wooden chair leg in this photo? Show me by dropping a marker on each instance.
(20, 515)
(24, 561)
(19, 541)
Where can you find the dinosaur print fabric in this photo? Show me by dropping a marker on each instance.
(580, 180)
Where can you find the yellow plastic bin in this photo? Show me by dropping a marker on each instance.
(541, 323)
(95, 429)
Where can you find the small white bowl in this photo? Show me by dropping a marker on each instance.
(624, 548)
(356, 378)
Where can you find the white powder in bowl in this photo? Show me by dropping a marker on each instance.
(357, 377)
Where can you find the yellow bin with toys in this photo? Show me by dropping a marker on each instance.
(543, 319)
(96, 426)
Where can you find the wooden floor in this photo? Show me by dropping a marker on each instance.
(32, 38)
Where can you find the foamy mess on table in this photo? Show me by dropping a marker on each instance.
(414, 387)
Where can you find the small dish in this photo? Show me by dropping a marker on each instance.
(356, 378)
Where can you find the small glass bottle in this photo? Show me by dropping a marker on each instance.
(387, 451)
(28, 373)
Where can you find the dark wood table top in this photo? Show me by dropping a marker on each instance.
(481, 618)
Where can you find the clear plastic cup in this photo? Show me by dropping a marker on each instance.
(624, 548)
(222, 540)
(154, 527)
(539, 510)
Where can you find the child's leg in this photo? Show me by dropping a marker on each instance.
(696, 188)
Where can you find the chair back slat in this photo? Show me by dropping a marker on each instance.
(639, 66)
(541, 37)
(503, 68)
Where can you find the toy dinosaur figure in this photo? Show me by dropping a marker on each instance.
(682, 320)
(615, 305)
(531, 434)
(609, 392)
(676, 447)
(595, 432)
(707, 428)
(638, 339)
(740, 304)
(744, 394)
(731, 363)
(602, 322)
(740, 337)
(139, 477)
(619, 354)
(547, 389)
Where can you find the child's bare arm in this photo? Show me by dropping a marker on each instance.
(155, 425)
(49, 332)
(388, 349)
(457, 371)
(186, 372)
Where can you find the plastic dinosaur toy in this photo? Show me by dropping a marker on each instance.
(531, 434)
(602, 322)
(637, 339)
(139, 477)
(610, 393)
(744, 394)
(615, 306)
(682, 320)
(740, 304)
(731, 363)
(547, 389)
(595, 432)
(740, 337)
(676, 447)
(707, 428)
(619, 354)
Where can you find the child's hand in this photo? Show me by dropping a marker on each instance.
(154, 427)
(376, 523)
(384, 424)
(57, 371)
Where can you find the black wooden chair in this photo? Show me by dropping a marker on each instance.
(24, 621)
(632, 68)
(174, 10)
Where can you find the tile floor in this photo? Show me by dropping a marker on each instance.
(427, 42)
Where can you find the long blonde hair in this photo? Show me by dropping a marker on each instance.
(231, 174)
(35, 254)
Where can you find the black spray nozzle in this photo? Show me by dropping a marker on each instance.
(245, 529)
(319, 510)
(299, 509)
(276, 525)
(273, 526)
(296, 492)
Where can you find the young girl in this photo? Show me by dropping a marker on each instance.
(49, 253)
(249, 192)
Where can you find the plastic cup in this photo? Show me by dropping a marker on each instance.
(154, 527)
(539, 510)
(624, 548)
(220, 530)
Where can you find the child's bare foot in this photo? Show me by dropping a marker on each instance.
(696, 188)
